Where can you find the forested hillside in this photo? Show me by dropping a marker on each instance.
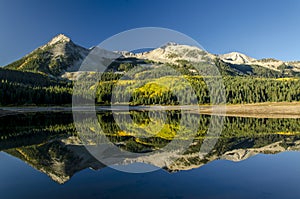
(46, 76)
(26, 88)
(34, 89)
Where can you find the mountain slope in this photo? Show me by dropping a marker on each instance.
(172, 52)
(54, 58)
(236, 58)
(233, 63)
(60, 57)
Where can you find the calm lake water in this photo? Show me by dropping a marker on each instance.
(42, 156)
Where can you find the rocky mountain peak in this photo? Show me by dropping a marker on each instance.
(169, 44)
(60, 38)
(61, 55)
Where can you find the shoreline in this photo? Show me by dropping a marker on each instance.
(261, 110)
(258, 110)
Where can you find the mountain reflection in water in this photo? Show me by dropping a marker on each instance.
(49, 142)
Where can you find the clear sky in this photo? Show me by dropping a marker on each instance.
(258, 28)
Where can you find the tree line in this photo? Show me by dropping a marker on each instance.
(36, 89)
(237, 90)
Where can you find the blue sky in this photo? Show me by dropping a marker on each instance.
(259, 28)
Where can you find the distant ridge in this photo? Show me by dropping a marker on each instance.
(60, 56)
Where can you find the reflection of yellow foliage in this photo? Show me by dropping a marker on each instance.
(138, 140)
(125, 82)
(93, 87)
(287, 79)
(123, 133)
(92, 129)
(287, 133)
(166, 132)
(27, 157)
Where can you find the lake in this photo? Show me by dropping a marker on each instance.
(45, 155)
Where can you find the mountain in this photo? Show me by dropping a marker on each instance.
(172, 52)
(233, 63)
(287, 68)
(60, 57)
(236, 58)
(45, 76)
(54, 58)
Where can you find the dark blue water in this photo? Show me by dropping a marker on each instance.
(33, 145)
(261, 176)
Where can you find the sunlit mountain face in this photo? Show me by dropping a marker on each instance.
(62, 57)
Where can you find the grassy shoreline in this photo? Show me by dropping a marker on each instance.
(260, 110)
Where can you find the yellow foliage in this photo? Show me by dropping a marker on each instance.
(123, 133)
(93, 87)
(287, 79)
(287, 133)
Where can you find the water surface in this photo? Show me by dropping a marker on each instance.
(42, 157)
